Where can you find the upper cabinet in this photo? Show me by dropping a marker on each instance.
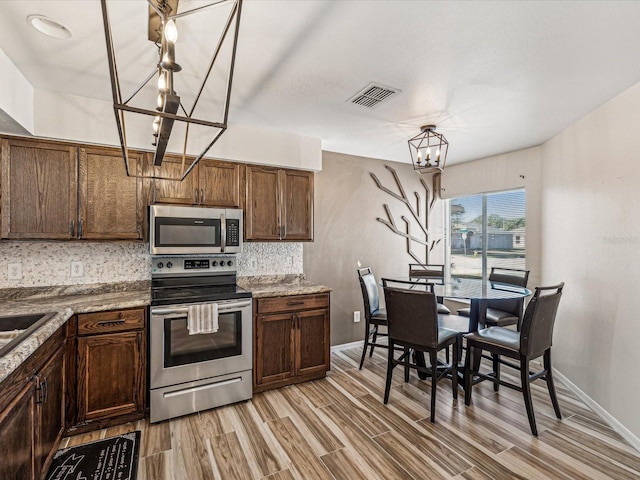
(39, 189)
(211, 183)
(53, 190)
(279, 204)
(111, 203)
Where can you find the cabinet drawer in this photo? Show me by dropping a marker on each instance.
(109, 322)
(292, 303)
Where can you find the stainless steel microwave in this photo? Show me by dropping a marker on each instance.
(178, 230)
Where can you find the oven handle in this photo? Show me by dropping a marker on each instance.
(222, 307)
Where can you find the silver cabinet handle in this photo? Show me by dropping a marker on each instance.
(72, 229)
(202, 196)
(80, 229)
(197, 196)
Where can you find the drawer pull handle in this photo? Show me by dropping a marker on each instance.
(292, 304)
(111, 323)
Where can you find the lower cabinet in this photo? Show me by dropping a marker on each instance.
(109, 371)
(292, 340)
(32, 412)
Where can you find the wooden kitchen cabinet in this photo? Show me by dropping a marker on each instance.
(32, 412)
(109, 374)
(211, 183)
(278, 205)
(54, 190)
(292, 340)
(111, 203)
(39, 189)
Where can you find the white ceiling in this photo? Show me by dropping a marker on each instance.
(494, 76)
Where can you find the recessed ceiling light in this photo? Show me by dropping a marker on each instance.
(49, 27)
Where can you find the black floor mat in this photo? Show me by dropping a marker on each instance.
(114, 458)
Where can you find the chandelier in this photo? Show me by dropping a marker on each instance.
(428, 150)
(173, 107)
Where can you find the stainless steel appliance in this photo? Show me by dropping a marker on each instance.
(185, 230)
(189, 373)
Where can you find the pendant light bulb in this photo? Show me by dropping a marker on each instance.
(171, 31)
(162, 82)
(156, 125)
(160, 102)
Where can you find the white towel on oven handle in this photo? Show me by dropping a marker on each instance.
(202, 318)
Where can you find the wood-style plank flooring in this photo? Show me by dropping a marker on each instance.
(338, 428)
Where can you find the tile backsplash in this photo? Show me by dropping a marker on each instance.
(46, 263)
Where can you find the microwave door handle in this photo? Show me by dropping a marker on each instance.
(223, 232)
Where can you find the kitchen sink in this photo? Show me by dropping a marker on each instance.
(15, 328)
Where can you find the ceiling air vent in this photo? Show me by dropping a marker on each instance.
(372, 95)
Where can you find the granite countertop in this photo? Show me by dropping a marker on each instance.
(69, 300)
(65, 301)
(280, 285)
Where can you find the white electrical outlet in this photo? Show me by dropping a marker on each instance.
(254, 263)
(14, 271)
(356, 316)
(77, 269)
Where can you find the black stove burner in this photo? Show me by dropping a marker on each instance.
(181, 290)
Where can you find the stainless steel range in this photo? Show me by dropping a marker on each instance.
(198, 371)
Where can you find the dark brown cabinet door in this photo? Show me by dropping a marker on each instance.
(297, 211)
(185, 192)
(111, 377)
(220, 184)
(312, 339)
(275, 353)
(50, 407)
(279, 204)
(262, 214)
(17, 439)
(111, 203)
(39, 190)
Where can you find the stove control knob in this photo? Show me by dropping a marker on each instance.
(160, 264)
(229, 263)
(214, 264)
(169, 264)
(222, 263)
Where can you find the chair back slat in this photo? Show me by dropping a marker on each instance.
(412, 316)
(370, 293)
(510, 276)
(422, 270)
(536, 332)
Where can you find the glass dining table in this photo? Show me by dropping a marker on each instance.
(476, 290)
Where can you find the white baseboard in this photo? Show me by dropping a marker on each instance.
(606, 416)
(344, 346)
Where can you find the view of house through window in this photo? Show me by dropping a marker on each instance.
(487, 230)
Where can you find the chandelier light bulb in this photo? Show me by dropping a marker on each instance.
(162, 82)
(419, 156)
(160, 102)
(156, 125)
(171, 31)
(438, 155)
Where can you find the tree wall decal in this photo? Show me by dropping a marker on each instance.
(416, 213)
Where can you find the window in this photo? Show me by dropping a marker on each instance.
(485, 231)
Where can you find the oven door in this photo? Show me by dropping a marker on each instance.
(177, 357)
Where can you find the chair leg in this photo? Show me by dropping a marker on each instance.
(454, 367)
(496, 371)
(446, 354)
(390, 366)
(375, 339)
(526, 392)
(433, 356)
(366, 344)
(468, 374)
(407, 358)
(550, 385)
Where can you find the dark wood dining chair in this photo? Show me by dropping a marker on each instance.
(413, 325)
(532, 341)
(502, 312)
(433, 272)
(374, 316)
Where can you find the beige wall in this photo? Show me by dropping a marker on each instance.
(347, 203)
(591, 240)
